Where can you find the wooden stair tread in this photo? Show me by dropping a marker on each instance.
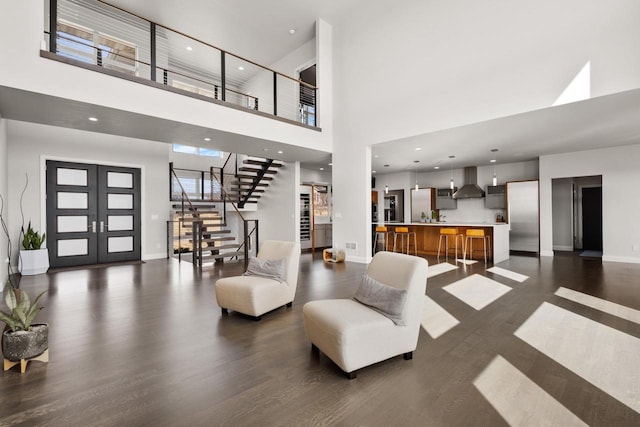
(254, 170)
(261, 163)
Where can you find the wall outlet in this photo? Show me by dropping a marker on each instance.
(351, 245)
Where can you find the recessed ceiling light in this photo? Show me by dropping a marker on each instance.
(376, 156)
(207, 139)
(93, 119)
(492, 160)
(265, 149)
(189, 48)
(373, 171)
(436, 167)
(292, 31)
(418, 148)
(321, 169)
(280, 151)
(330, 164)
(241, 68)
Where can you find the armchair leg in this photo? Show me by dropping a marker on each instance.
(257, 318)
(351, 375)
(315, 349)
(225, 311)
(290, 304)
(408, 356)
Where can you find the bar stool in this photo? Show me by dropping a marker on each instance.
(402, 232)
(382, 231)
(476, 233)
(446, 233)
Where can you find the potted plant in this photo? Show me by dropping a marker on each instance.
(423, 217)
(34, 259)
(22, 340)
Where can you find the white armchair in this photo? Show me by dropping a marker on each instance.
(353, 335)
(255, 295)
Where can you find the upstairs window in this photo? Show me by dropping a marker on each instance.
(197, 151)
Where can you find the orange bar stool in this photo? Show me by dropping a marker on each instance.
(476, 233)
(402, 232)
(382, 235)
(446, 233)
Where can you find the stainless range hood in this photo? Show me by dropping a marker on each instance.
(470, 189)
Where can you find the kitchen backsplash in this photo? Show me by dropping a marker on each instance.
(471, 210)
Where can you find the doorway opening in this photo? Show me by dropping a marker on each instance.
(577, 215)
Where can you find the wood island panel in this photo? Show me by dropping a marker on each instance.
(427, 236)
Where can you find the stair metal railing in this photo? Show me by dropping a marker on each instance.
(97, 35)
(247, 233)
(197, 223)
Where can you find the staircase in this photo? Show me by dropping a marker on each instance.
(216, 238)
(199, 223)
(251, 180)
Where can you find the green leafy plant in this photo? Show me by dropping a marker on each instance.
(32, 239)
(23, 312)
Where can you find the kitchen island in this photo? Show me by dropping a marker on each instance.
(428, 233)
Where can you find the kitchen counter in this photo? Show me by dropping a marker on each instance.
(428, 234)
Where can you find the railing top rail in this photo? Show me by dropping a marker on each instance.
(157, 66)
(225, 194)
(184, 193)
(209, 44)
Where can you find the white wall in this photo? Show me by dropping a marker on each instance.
(436, 65)
(562, 211)
(315, 176)
(5, 208)
(30, 145)
(620, 177)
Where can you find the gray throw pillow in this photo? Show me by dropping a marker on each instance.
(268, 268)
(385, 299)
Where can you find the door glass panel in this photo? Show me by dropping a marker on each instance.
(72, 200)
(120, 201)
(71, 177)
(119, 180)
(120, 222)
(120, 244)
(72, 224)
(73, 247)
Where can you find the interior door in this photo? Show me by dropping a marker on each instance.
(592, 218)
(93, 214)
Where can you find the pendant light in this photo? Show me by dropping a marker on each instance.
(386, 186)
(495, 177)
(416, 161)
(451, 184)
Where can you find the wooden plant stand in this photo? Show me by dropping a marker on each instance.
(333, 255)
(8, 364)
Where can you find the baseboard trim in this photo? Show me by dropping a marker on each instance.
(626, 259)
(359, 260)
(563, 248)
(546, 253)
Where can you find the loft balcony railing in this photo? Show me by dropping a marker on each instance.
(97, 33)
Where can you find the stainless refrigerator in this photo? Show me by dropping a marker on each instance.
(523, 216)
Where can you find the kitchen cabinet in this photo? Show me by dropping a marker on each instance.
(495, 197)
(322, 236)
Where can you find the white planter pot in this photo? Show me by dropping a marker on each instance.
(33, 262)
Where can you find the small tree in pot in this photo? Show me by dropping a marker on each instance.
(34, 259)
(21, 339)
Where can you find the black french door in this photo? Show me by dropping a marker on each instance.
(93, 214)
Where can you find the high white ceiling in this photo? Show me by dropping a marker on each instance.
(259, 30)
(606, 121)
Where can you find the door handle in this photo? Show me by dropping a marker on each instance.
(92, 227)
(103, 226)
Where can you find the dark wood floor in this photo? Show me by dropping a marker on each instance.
(147, 345)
